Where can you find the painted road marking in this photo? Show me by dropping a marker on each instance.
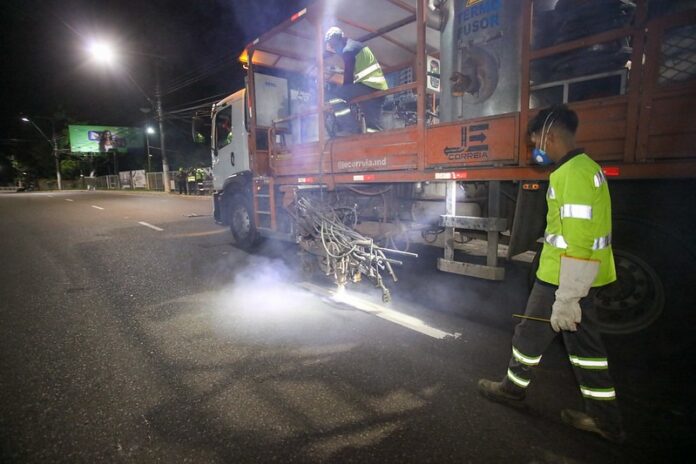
(380, 311)
(143, 223)
(69, 199)
(97, 207)
(202, 234)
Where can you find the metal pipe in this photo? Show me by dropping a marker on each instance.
(532, 318)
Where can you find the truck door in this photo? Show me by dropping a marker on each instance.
(230, 144)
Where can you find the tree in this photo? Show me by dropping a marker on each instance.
(70, 168)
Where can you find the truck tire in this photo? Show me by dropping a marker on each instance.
(633, 302)
(241, 220)
(654, 290)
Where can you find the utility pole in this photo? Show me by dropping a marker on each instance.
(149, 156)
(54, 143)
(160, 119)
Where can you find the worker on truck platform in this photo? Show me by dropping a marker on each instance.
(575, 261)
(362, 75)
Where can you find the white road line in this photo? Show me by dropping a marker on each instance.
(69, 199)
(383, 312)
(143, 223)
(97, 207)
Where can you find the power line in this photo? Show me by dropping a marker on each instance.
(201, 68)
(205, 72)
(203, 102)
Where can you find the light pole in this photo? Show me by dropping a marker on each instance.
(53, 142)
(104, 53)
(148, 130)
(160, 119)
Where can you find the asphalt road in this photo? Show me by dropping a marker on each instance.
(132, 330)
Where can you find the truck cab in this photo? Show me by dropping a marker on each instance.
(229, 139)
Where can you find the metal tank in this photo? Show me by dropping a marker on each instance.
(480, 59)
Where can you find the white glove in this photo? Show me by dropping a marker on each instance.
(566, 314)
(577, 276)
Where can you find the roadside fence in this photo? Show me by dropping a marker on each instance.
(126, 180)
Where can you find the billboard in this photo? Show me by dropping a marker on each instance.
(105, 139)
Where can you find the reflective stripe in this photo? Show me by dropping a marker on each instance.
(599, 179)
(342, 112)
(370, 69)
(520, 382)
(589, 363)
(598, 393)
(551, 194)
(555, 240)
(576, 211)
(528, 360)
(601, 242)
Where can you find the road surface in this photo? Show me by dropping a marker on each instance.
(132, 330)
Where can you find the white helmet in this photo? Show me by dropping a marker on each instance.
(333, 32)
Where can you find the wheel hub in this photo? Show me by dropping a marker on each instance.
(634, 301)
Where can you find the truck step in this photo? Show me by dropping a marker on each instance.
(474, 223)
(470, 269)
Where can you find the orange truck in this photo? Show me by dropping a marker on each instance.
(452, 166)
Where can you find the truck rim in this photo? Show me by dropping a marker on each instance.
(241, 222)
(634, 301)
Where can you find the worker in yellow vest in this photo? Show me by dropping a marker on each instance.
(191, 181)
(362, 74)
(575, 261)
(200, 178)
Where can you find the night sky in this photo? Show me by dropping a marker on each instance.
(45, 67)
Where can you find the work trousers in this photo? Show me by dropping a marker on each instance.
(371, 109)
(585, 349)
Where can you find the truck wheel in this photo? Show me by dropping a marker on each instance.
(630, 304)
(653, 296)
(634, 301)
(242, 222)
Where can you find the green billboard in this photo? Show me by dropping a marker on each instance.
(105, 139)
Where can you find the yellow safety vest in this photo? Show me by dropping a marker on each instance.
(578, 222)
(368, 71)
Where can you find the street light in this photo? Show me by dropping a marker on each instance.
(53, 142)
(103, 52)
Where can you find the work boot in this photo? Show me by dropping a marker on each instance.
(497, 391)
(583, 421)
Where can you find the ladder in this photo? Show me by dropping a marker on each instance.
(263, 200)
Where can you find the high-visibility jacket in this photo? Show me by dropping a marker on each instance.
(578, 222)
(367, 70)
